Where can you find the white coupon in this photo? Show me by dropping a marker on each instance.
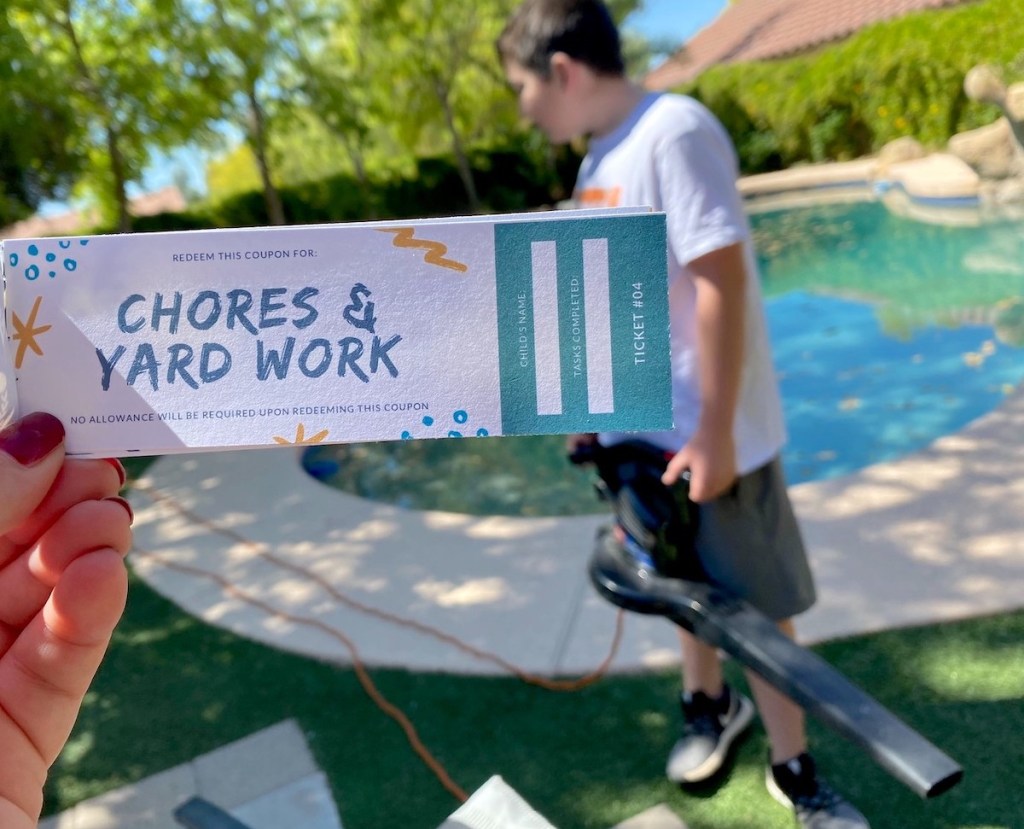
(500, 325)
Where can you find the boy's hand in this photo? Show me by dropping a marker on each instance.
(711, 458)
(573, 443)
(720, 278)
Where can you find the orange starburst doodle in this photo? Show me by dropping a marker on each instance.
(301, 439)
(25, 333)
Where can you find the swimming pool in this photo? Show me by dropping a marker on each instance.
(887, 333)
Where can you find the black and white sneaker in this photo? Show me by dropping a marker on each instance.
(710, 726)
(816, 805)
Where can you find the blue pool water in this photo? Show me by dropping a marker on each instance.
(887, 333)
(854, 395)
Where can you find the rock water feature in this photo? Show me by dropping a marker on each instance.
(995, 152)
(984, 166)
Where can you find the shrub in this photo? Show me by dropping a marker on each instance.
(891, 79)
(508, 179)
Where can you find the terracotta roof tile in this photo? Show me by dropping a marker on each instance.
(766, 29)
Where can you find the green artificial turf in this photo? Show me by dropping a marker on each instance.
(173, 688)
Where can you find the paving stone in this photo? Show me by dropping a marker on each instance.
(148, 804)
(249, 768)
(306, 803)
(65, 820)
(658, 817)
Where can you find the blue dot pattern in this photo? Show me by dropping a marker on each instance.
(31, 270)
(460, 417)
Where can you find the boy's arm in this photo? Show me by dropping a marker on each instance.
(720, 278)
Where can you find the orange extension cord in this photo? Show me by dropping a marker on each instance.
(260, 550)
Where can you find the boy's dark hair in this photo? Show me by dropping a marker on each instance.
(582, 29)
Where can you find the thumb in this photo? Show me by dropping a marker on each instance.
(31, 455)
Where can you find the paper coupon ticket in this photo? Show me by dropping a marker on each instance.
(501, 325)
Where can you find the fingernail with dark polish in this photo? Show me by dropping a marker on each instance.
(31, 438)
(114, 462)
(117, 499)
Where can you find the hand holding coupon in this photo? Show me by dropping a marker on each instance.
(498, 325)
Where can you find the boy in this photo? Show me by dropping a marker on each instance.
(563, 60)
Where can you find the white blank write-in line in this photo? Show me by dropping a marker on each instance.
(546, 353)
(597, 314)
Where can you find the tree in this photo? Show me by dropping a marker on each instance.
(39, 139)
(306, 151)
(331, 62)
(391, 80)
(437, 58)
(250, 49)
(339, 117)
(121, 81)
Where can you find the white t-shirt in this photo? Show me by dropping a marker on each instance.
(673, 155)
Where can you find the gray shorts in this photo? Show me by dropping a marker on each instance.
(749, 543)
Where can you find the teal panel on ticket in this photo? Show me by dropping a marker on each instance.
(583, 332)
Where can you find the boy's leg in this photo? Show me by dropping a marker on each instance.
(702, 667)
(713, 715)
(783, 719)
(792, 776)
(749, 543)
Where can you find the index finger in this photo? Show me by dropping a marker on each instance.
(676, 467)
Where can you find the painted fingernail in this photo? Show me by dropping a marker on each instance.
(117, 499)
(114, 462)
(31, 438)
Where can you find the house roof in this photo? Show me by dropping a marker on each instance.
(768, 29)
(167, 200)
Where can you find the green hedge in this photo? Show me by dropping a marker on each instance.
(897, 78)
(507, 180)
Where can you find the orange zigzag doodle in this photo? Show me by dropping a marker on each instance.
(435, 250)
(301, 439)
(26, 332)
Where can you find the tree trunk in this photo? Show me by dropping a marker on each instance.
(275, 210)
(356, 157)
(461, 159)
(359, 168)
(124, 216)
